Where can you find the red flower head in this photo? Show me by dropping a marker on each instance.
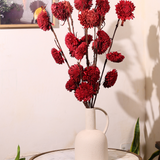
(75, 72)
(89, 18)
(110, 78)
(71, 85)
(82, 4)
(124, 10)
(43, 21)
(61, 10)
(68, 7)
(102, 6)
(115, 57)
(83, 39)
(102, 43)
(72, 53)
(57, 56)
(72, 43)
(91, 74)
(81, 50)
(103, 36)
(84, 92)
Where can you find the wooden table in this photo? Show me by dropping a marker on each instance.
(68, 154)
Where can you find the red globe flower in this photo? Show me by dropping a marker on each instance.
(100, 19)
(84, 92)
(124, 10)
(101, 44)
(68, 7)
(115, 57)
(72, 43)
(75, 72)
(61, 10)
(57, 56)
(83, 39)
(81, 51)
(72, 53)
(110, 78)
(102, 6)
(71, 85)
(43, 21)
(89, 18)
(103, 36)
(91, 74)
(82, 4)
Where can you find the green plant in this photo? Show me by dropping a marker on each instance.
(156, 153)
(18, 154)
(135, 147)
(4, 7)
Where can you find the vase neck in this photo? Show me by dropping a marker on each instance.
(90, 119)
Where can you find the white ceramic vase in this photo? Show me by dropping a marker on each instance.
(91, 144)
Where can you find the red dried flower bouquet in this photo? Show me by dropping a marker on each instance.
(85, 81)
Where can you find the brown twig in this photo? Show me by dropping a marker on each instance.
(100, 22)
(72, 23)
(86, 35)
(59, 46)
(95, 49)
(86, 105)
(69, 25)
(80, 71)
(55, 41)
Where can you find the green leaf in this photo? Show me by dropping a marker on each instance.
(135, 147)
(18, 153)
(154, 155)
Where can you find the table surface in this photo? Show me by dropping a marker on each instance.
(69, 154)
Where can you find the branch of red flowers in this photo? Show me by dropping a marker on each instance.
(105, 62)
(86, 81)
(109, 50)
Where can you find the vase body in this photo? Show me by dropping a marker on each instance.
(91, 144)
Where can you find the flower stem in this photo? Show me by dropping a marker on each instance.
(86, 35)
(95, 49)
(69, 25)
(80, 71)
(72, 24)
(59, 46)
(86, 105)
(100, 23)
